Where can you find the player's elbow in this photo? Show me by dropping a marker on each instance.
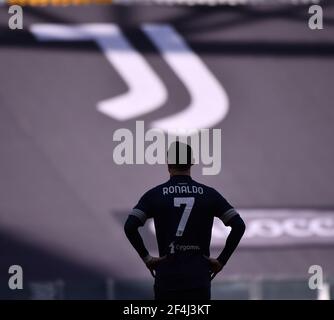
(128, 227)
(131, 225)
(242, 226)
(238, 225)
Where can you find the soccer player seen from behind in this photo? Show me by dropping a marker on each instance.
(183, 211)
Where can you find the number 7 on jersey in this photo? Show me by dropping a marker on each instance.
(189, 202)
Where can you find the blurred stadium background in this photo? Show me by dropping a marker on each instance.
(62, 198)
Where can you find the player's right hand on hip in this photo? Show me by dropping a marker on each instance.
(153, 263)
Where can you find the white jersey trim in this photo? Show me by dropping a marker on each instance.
(141, 215)
(228, 215)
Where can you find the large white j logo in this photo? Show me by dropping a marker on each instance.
(209, 101)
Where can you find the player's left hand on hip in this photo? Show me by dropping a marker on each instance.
(215, 267)
(153, 263)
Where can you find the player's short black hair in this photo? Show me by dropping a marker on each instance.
(179, 156)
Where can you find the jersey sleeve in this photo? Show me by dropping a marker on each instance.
(223, 209)
(143, 209)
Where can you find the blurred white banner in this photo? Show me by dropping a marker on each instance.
(278, 227)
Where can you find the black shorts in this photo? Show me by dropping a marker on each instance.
(191, 294)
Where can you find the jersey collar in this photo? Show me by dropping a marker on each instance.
(180, 177)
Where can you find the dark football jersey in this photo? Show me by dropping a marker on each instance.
(183, 211)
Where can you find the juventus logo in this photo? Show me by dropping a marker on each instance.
(146, 92)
